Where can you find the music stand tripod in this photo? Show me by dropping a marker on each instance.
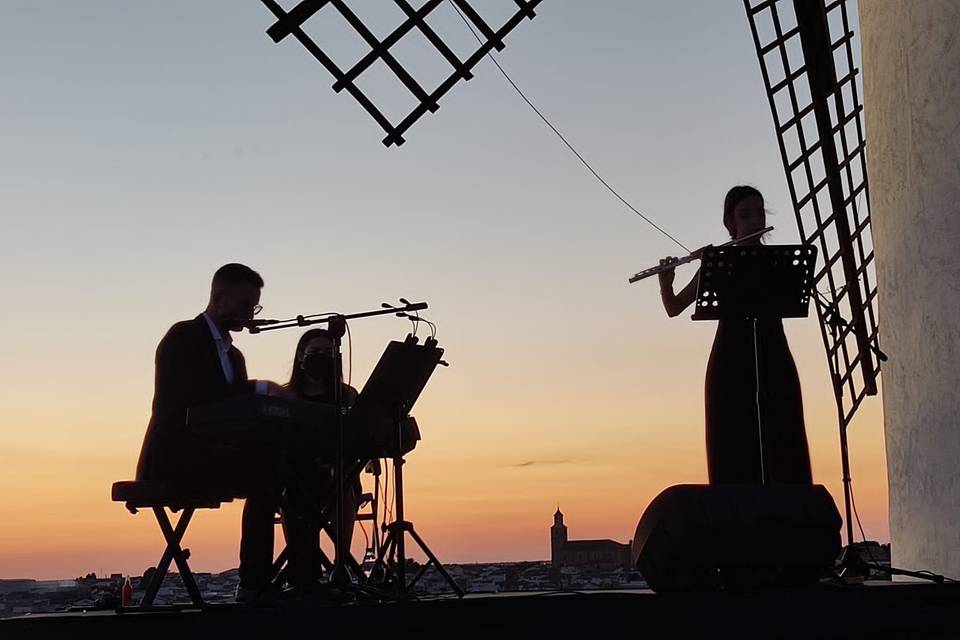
(394, 386)
(755, 283)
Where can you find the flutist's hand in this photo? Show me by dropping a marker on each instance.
(666, 277)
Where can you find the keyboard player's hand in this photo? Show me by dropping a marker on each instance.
(279, 391)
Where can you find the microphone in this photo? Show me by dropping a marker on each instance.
(408, 306)
(253, 326)
(399, 314)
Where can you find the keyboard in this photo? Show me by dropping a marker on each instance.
(299, 425)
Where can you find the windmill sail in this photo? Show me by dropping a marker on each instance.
(808, 63)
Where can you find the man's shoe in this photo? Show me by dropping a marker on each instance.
(254, 597)
(316, 593)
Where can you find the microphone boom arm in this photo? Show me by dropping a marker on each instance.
(305, 321)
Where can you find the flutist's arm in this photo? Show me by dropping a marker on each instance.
(675, 303)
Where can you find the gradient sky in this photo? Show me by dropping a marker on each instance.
(146, 144)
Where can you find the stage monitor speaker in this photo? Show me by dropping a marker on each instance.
(705, 537)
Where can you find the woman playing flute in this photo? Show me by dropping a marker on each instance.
(732, 431)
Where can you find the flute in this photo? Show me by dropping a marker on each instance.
(660, 268)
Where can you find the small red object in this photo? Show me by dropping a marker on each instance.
(126, 594)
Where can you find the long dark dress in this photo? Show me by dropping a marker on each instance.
(733, 441)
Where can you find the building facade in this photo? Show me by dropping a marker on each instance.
(911, 79)
(598, 554)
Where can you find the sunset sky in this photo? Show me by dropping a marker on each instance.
(146, 144)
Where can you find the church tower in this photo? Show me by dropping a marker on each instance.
(558, 538)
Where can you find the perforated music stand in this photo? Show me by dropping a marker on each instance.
(390, 392)
(755, 283)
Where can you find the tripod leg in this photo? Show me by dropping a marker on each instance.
(416, 578)
(395, 561)
(325, 561)
(400, 565)
(380, 564)
(355, 567)
(433, 559)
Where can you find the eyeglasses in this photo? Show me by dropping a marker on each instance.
(255, 309)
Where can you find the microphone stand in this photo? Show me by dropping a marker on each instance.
(837, 323)
(336, 326)
(851, 561)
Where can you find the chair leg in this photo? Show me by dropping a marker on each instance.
(325, 562)
(173, 536)
(279, 570)
(356, 567)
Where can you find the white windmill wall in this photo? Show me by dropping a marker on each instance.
(911, 74)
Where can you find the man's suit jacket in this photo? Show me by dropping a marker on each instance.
(188, 373)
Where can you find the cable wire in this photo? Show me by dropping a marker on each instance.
(853, 503)
(387, 508)
(936, 577)
(350, 354)
(366, 538)
(381, 502)
(388, 502)
(582, 160)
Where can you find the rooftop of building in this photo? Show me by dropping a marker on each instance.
(871, 610)
(594, 545)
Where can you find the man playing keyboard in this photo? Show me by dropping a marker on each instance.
(196, 363)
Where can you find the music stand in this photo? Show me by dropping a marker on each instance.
(390, 392)
(399, 378)
(755, 283)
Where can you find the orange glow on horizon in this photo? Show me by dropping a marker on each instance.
(471, 503)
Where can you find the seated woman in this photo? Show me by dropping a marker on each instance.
(312, 379)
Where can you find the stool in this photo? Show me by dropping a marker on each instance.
(159, 498)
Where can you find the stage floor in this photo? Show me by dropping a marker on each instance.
(876, 610)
